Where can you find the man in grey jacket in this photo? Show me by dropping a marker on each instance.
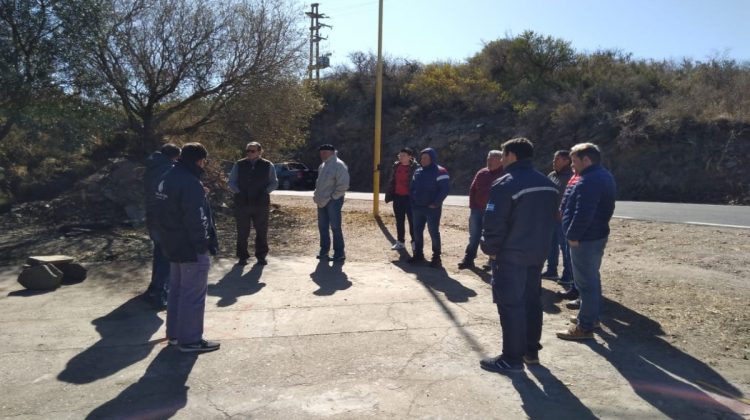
(330, 188)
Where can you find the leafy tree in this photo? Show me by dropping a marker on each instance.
(29, 45)
(157, 59)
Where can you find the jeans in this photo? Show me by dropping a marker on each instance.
(329, 217)
(246, 218)
(187, 300)
(159, 286)
(475, 233)
(587, 259)
(430, 217)
(517, 291)
(402, 210)
(559, 243)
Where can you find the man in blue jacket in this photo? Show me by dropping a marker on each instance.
(428, 189)
(188, 235)
(156, 165)
(585, 219)
(518, 225)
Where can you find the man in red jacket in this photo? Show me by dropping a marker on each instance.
(479, 194)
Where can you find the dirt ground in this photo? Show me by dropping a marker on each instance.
(686, 285)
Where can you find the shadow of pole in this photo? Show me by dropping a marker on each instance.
(453, 290)
(402, 253)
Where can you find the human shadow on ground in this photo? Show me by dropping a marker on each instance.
(235, 284)
(330, 277)
(125, 334)
(158, 394)
(661, 374)
(552, 401)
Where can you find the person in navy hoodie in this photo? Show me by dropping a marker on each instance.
(429, 187)
(585, 219)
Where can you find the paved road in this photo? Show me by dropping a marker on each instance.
(695, 214)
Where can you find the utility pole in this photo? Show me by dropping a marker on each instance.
(378, 117)
(316, 61)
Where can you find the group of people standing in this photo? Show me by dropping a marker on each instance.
(518, 217)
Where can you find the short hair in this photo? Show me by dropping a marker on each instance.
(253, 143)
(193, 152)
(408, 150)
(582, 150)
(495, 153)
(170, 150)
(522, 147)
(563, 153)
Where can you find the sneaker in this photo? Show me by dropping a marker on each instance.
(415, 259)
(531, 359)
(261, 261)
(435, 262)
(571, 294)
(574, 304)
(172, 342)
(550, 275)
(202, 346)
(465, 264)
(575, 333)
(574, 321)
(398, 246)
(499, 365)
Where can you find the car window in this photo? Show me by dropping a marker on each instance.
(297, 166)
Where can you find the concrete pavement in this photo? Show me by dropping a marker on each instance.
(303, 339)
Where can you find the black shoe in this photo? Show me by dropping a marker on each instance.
(499, 365)
(531, 358)
(550, 275)
(574, 304)
(568, 294)
(242, 261)
(435, 262)
(415, 259)
(338, 258)
(322, 256)
(261, 261)
(466, 264)
(202, 346)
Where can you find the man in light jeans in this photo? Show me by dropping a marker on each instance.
(585, 219)
(330, 188)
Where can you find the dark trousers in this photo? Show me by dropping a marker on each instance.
(517, 291)
(402, 211)
(248, 217)
(430, 217)
(159, 285)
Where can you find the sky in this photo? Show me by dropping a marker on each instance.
(442, 30)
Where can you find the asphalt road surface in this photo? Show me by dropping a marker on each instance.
(694, 214)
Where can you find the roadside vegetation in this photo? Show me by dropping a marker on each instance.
(86, 81)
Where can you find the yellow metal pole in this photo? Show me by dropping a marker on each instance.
(378, 116)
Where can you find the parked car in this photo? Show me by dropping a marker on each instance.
(295, 176)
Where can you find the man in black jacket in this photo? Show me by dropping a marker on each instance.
(186, 228)
(251, 180)
(518, 224)
(156, 165)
